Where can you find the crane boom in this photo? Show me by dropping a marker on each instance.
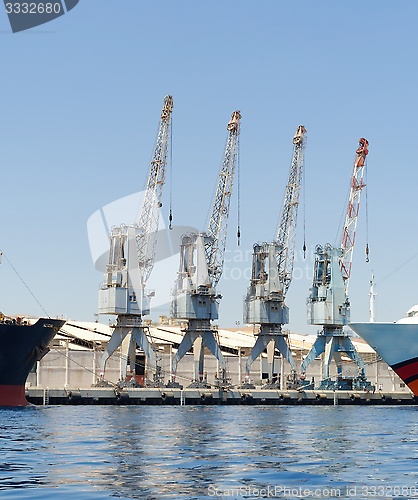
(349, 232)
(286, 236)
(218, 222)
(149, 216)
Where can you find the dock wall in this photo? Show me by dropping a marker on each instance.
(146, 396)
(68, 368)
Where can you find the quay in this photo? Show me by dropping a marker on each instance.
(192, 396)
(70, 371)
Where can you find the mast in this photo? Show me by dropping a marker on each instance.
(372, 303)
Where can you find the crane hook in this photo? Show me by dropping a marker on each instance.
(239, 235)
(170, 220)
(367, 252)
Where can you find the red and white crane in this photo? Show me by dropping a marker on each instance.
(328, 303)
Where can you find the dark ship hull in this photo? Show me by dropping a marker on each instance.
(21, 346)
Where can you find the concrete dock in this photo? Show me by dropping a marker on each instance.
(233, 396)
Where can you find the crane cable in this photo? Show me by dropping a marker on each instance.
(170, 216)
(238, 199)
(396, 269)
(215, 188)
(304, 214)
(338, 238)
(367, 216)
(22, 280)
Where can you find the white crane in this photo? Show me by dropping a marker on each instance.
(272, 269)
(328, 303)
(131, 259)
(195, 298)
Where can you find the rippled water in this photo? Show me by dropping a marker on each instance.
(93, 452)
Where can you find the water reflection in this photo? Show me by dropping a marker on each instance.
(22, 437)
(180, 452)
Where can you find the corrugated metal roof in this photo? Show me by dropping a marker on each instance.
(228, 339)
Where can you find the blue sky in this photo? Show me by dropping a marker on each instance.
(80, 103)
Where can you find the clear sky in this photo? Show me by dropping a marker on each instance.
(80, 105)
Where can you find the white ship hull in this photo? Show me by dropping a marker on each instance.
(397, 345)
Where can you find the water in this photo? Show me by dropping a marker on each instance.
(152, 452)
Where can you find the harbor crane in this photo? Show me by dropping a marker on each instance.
(272, 268)
(328, 302)
(195, 297)
(131, 259)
